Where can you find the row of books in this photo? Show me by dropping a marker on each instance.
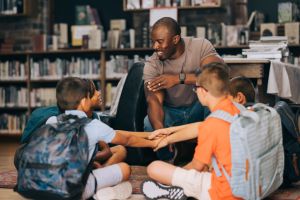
(121, 38)
(10, 7)
(145, 4)
(13, 96)
(12, 70)
(12, 123)
(43, 97)
(119, 65)
(58, 68)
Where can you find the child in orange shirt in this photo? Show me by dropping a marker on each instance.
(212, 88)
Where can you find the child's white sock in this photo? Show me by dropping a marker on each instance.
(120, 191)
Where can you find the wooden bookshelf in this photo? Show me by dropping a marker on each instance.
(14, 133)
(187, 7)
(29, 9)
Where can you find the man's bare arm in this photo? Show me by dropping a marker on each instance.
(211, 59)
(155, 107)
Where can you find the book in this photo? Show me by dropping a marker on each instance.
(81, 15)
(133, 4)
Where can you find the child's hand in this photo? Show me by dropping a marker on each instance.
(104, 152)
(161, 143)
(159, 133)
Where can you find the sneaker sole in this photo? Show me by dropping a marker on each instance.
(153, 191)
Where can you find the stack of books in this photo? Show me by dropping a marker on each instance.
(268, 47)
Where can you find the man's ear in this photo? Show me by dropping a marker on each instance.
(240, 98)
(176, 39)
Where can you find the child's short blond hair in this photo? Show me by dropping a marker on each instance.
(214, 77)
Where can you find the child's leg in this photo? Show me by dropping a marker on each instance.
(161, 171)
(195, 184)
(118, 155)
(105, 177)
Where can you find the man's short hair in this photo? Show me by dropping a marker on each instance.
(170, 23)
(243, 85)
(214, 77)
(70, 91)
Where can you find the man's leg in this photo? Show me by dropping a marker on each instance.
(197, 112)
(173, 117)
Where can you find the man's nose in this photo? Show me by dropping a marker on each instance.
(155, 45)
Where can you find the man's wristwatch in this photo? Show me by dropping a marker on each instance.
(182, 78)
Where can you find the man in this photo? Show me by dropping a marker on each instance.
(169, 76)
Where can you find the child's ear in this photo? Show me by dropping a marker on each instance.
(240, 98)
(85, 104)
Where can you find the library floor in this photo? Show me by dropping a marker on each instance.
(9, 146)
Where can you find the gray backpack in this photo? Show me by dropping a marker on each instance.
(256, 151)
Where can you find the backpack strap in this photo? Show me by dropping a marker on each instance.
(225, 116)
(239, 106)
(217, 170)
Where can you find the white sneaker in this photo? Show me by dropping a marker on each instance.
(120, 191)
(154, 190)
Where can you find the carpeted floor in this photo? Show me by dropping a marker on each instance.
(8, 180)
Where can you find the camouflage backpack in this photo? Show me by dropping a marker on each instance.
(55, 164)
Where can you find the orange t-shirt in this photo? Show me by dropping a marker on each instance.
(214, 139)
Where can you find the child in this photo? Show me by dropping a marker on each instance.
(73, 98)
(241, 90)
(107, 155)
(212, 88)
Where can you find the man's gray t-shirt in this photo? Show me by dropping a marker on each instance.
(196, 49)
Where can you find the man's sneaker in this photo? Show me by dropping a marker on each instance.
(154, 190)
(120, 191)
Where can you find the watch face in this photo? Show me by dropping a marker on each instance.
(181, 76)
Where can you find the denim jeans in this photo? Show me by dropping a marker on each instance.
(175, 117)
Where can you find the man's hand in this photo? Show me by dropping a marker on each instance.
(163, 82)
(159, 133)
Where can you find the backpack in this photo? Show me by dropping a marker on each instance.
(55, 164)
(256, 151)
(291, 144)
(39, 117)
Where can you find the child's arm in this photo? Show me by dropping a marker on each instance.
(197, 165)
(188, 132)
(131, 133)
(127, 139)
(171, 130)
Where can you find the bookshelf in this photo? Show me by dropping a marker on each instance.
(17, 8)
(30, 83)
(136, 5)
(22, 92)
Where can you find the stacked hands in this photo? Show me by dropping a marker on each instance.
(162, 82)
(160, 138)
